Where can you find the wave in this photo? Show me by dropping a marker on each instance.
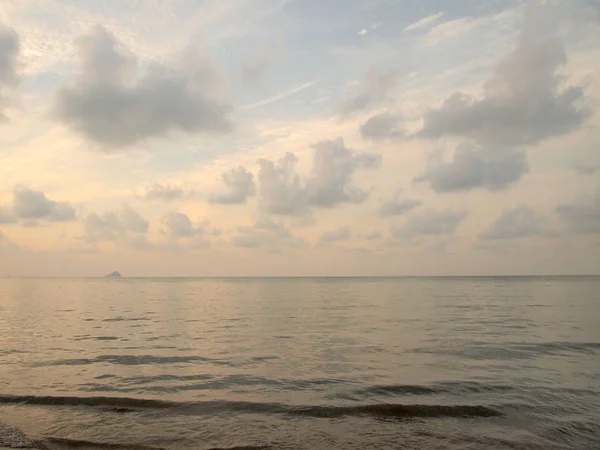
(390, 410)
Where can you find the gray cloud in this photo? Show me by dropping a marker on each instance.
(164, 192)
(281, 191)
(333, 168)
(267, 234)
(179, 225)
(432, 223)
(398, 207)
(586, 169)
(341, 234)
(523, 102)
(33, 205)
(581, 217)
(518, 222)
(373, 90)
(255, 68)
(238, 185)
(472, 167)
(382, 126)
(113, 106)
(9, 53)
(372, 236)
(114, 225)
(7, 215)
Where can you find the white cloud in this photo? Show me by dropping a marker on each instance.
(424, 22)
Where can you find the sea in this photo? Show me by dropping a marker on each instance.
(301, 363)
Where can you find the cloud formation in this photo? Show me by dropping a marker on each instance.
(255, 68)
(9, 53)
(330, 183)
(523, 102)
(472, 166)
(114, 225)
(382, 126)
(374, 89)
(6, 215)
(397, 206)
(238, 185)
(33, 205)
(432, 222)
(581, 217)
(164, 192)
(267, 234)
(113, 106)
(340, 234)
(515, 223)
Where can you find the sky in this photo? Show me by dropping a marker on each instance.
(299, 137)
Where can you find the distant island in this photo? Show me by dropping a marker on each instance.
(113, 275)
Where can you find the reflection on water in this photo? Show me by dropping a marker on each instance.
(302, 363)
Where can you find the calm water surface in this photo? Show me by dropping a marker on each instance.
(453, 363)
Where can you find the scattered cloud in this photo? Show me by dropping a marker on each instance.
(9, 53)
(374, 89)
(432, 222)
(238, 185)
(362, 32)
(7, 215)
(114, 107)
(372, 236)
(282, 191)
(114, 225)
(581, 217)
(515, 223)
(33, 205)
(340, 234)
(424, 22)
(586, 169)
(382, 126)
(523, 102)
(476, 167)
(267, 234)
(397, 206)
(255, 68)
(164, 192)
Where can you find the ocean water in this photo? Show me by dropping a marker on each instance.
(321, 363)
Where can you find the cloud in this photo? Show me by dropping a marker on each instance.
(397, 207)
(282, 191)
(373, 90)
(362, 32)
(178, 225)
(267, 234)
(334, 165)
(372, 236)
(114, 107)
(238, 185)
(586, 169)
(475, 167)
(514, 223)
(34, 205)
(9, 53)
(382, 126)
(7, 216)
(114, 225)
(432, 223)
(164, 192)
(340, 234)
(581, 217)
(523, 102)
(424, 22)
(255, 68)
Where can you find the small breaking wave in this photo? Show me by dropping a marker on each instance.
(125, 404)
